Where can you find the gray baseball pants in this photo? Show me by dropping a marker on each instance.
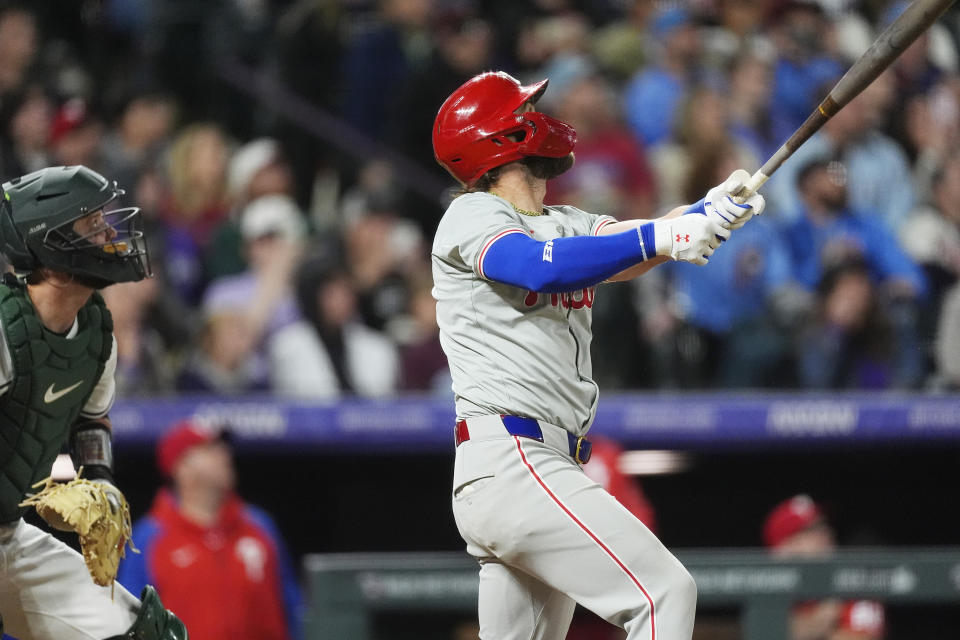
(548, 537)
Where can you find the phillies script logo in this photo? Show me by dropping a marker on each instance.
(574, 300)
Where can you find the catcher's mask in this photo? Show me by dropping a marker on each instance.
(477, 127)
(58, 218)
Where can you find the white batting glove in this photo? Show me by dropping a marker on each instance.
(721, 207)
(688, 238)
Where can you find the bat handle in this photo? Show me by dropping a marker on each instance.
(750, 188)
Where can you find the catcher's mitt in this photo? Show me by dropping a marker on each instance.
(99, 514)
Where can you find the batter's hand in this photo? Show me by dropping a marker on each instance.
(688, 238)
(721, 207)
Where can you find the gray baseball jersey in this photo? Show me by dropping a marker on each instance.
(513, 351)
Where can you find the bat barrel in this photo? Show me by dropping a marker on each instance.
(891, 43)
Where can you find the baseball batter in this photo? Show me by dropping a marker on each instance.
(515, 283)
(57, 361)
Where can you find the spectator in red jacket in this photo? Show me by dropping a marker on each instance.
(797, 528)
(216, 561)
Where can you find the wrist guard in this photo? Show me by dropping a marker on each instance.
(91, 448)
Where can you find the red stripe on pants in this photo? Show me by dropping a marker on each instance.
(553, 496)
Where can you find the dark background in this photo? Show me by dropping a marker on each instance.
(336, 503)
(888, 496)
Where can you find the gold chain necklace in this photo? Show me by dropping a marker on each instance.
(522, 212)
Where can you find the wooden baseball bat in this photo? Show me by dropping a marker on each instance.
(891, 43)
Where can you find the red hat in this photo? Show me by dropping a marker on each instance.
(790, 517)
(183, 435)
(72, 115)
(865, 618)
(472, 131)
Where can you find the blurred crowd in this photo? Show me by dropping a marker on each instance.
(281, 152)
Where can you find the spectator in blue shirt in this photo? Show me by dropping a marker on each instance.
(654, 94)
(830, 234)
(732, 304)
(803, 67)
(830, 231)
(380, 59)
(879, 183)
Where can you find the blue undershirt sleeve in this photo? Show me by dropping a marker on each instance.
(292, 598)
(134, 572)
(565, 264)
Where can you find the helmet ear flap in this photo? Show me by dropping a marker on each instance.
(12, 244)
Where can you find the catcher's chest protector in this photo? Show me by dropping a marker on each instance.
(53, 378)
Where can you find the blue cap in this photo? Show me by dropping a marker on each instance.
(670, 19)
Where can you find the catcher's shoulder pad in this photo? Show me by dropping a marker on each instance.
(96, 315)
(103, 311)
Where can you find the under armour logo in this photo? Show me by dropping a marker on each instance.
(685, 238)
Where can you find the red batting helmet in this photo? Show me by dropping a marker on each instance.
(470, 134)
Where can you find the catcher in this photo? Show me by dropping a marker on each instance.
(57, 362)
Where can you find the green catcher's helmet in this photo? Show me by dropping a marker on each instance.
(38, 213)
